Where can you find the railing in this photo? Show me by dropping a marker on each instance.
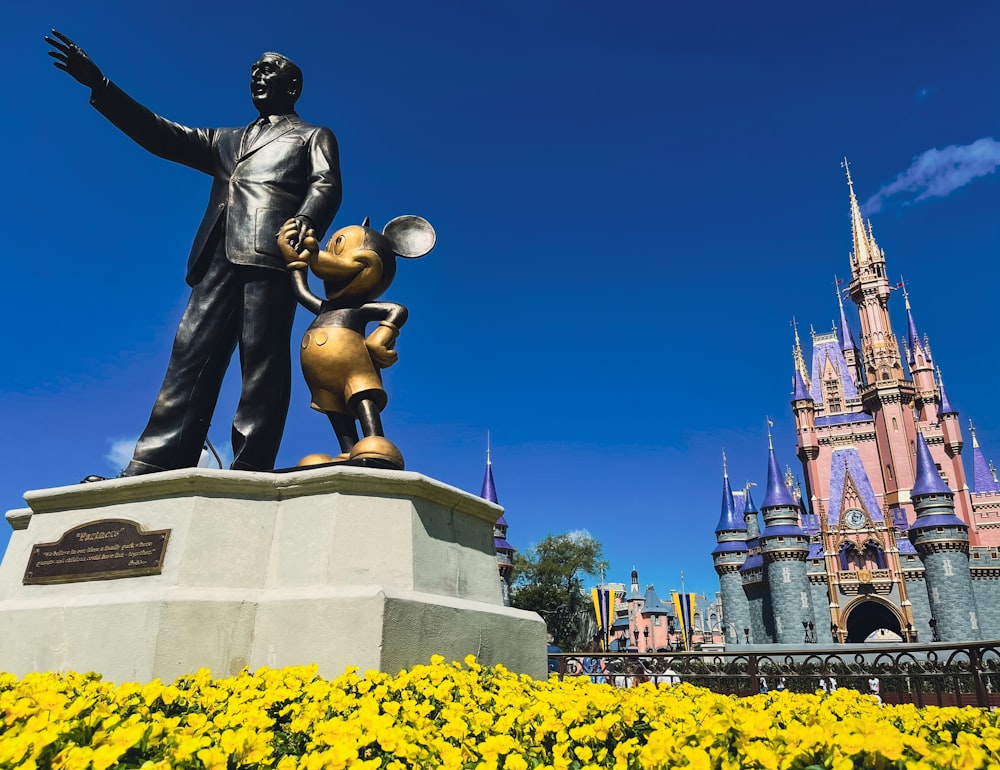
(932, 674)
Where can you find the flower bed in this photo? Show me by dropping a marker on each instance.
(456, 716)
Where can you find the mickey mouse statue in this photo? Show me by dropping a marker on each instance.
(341, 365)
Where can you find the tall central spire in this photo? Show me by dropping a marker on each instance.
(862, 248)
(870, 291)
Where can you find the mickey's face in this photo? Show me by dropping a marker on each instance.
(351, 267)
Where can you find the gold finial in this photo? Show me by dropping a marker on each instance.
(972, 432)
(489, 461)
(770, 442)
(847, 168)
(725, 471)
(871, 237)
(797, 357)
(906, 294)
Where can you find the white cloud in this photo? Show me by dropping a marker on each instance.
(579, 535)
(120, 454)
(937, 173)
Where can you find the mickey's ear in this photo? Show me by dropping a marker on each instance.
(411, 236)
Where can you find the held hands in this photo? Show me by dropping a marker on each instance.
(380, 343)
(297, 243)
(69, 57)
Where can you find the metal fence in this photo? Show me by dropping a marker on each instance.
(932, 674)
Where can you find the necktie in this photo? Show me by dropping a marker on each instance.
(254, 131)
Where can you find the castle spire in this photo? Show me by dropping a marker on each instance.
(728, 520)
(489, 491)
(800, 379)
(913, 341)
(945, 406)
(776, 494)
(863, 256)
(799, 359)
(928, 480)
(881, 363)
(846, 336)
(983, 477)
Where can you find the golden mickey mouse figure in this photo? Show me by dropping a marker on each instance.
(341, 365)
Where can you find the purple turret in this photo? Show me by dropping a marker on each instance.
(777, 494)
(913, 340)
(800, 392)
(504, 550)
(784, 547)
(846, 336)
(729, 521)
(928, 480)
(983, 477)
(945, 406)
(489, 488)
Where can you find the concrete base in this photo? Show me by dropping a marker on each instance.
(336, 566)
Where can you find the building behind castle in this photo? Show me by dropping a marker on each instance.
(886, 540)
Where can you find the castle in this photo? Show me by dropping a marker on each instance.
(505, 551)
(886, 541)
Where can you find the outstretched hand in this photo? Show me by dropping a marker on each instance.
(69, 57)
(295, 245)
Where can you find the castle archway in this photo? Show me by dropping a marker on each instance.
(869, 615)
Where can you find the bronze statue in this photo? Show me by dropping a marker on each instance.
(277, 168)
(341, 365)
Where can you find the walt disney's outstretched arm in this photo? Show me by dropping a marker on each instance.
(162, 137)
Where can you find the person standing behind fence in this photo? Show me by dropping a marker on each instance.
(875, 688)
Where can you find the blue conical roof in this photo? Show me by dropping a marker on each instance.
(728, 520)
(800, 391)
(928, 481)
(748, 505)
(945, 407)
(489, 488)
(982, 473)
(913, 337)
(777, 493)
(846, 337)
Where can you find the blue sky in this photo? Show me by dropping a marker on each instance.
(632, 200)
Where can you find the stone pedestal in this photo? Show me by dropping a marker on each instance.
(336, 566)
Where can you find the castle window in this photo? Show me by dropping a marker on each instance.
(895, 426)
(888, 468)
(834, 396)
(977, 556)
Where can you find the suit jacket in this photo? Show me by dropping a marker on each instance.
(292, 169)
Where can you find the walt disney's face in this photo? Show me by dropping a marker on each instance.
(272, 85)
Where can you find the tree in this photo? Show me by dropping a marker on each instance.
(548, 579)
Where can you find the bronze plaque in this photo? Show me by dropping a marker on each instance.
(98, 550)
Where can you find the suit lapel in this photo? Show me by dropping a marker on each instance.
(268, 135)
